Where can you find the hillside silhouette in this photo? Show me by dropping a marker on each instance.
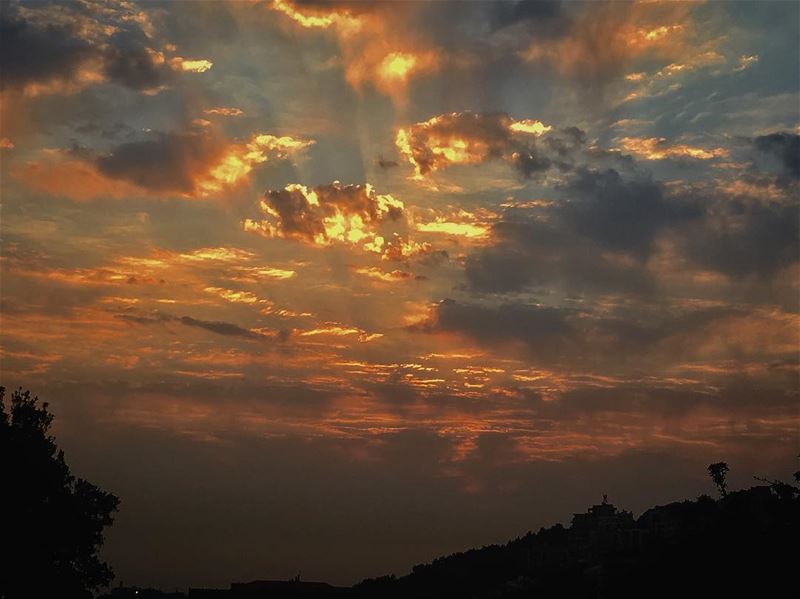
(743, 544)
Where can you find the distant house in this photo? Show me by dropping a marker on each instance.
(604, 528)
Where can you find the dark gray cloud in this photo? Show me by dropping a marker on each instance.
(740, 237)
(785, 147)
(567, 242)
(167, 162)
(45, 42)
(114, 131)
(544, 330)
(220, 328)
(580, 336)
(736, 392)
(33, 53)
(383, 163)
(129, 62)
(600, 236)
(504, 14)
(147, 319)
(619, 214)
(535, 252)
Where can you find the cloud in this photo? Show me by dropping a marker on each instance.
(634, 336)
(505, 14)
(740, 237)
(353, 215)
(785, 147)
(598, 237)
(472, 138)
(375, 273)
(63, 47)
(617, 234)
(599, 40)
(30, 52)
(383, 163)
(459, 229)
(220, 328)
(537, 253)
(657, 148)
(380, 44)
(334, 329)
(167, 162)
(193, 163)
(59, 174)
(129, 62)
(621, 214)
(541, 327)
(224, 111)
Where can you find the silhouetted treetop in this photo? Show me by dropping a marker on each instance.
(52, 522)
(718, 473)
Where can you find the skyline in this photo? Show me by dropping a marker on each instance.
(340, 287)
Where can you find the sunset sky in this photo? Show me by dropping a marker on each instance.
(339, 287)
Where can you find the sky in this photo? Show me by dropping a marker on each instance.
(339, 287)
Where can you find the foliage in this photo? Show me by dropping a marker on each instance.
(52, 522)
(718, 473)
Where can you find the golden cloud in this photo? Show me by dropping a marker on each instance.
(657, 148)
(395, 276)
(471, 138)
(454, 228)
(377, 49)
(333, 329)
(224, 111)
(239, 159)
(353, 215)
(191, 66)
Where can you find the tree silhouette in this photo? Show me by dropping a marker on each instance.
(718, 472)
(52, 523)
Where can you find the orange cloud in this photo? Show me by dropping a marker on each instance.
(318, 19)
(240, 297)
(352, 215)
(608, 35)
(239, 159)
(372, 272)
(72, 178)
(378, 48)
(657, 148)
(470, 138)
(191, 66)
(333, 329)
(191, 164)
(79, 45)
(454, 228)
(224, 111)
